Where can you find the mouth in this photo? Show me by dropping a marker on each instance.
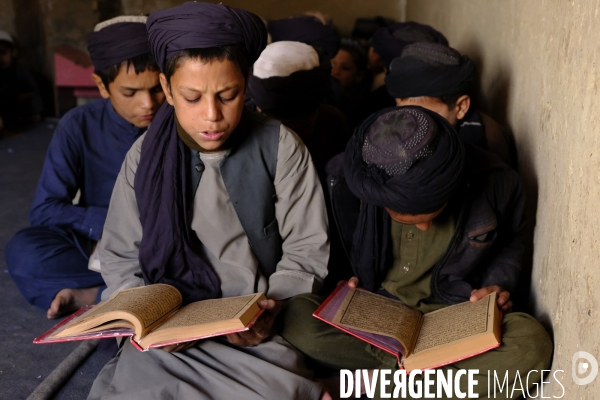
(147, 117)
(211, 135)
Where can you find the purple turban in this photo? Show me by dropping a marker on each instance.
(117, 40)
(197, 25)
(429, 69)
(306, 29)
(389, 42)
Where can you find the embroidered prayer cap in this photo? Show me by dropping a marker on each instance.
(398, 139)
(389, 42)
(306, 29)
(118, 39)
(429, 69)
(198, 25)
(408, 159)
(289, 79)
(6, 37)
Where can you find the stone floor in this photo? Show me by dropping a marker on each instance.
(24, 365)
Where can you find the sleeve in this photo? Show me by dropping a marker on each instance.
(119, 247)
(505, 261)
(302, 219)
(58, 184)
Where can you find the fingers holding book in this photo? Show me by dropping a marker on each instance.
(263, 327)
(353, 282)
(504, 302)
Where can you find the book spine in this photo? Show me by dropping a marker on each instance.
(136, 345)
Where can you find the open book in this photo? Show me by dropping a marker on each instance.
(420, 341)
(153, 317)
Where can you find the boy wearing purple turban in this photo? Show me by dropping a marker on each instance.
(213, 200)
(49, 260)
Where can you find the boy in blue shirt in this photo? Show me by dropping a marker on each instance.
(49, 260)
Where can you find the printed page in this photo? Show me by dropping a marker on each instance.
(207, 311)
(370, 312)
(147, 303)
(453, 323)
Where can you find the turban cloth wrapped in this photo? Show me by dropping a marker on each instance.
(407, 159)
(306, 29)
(289, 80)
(117, 40)
(167, 252)
(197, 25)
(429, 69)
(389, 42)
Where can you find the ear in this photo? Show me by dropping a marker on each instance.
(462, 106)
(103, 89)
(166, 88)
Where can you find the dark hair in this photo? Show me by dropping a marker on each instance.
(139, 63)
(234, 53)
(450, 99)
(357, 55)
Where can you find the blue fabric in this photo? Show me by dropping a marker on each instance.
(44, 260)
(86, 152)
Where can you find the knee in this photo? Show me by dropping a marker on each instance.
(22, 252)
(297, 320)
(530, 340)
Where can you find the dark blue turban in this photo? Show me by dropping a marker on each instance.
(306, 29)
(389, 42)
(117, 40)
(429, 69)
(197, 25)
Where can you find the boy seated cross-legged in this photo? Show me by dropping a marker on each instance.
(218, 201)
(431, 221)
(49, 260)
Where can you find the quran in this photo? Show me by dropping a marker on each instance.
(420, 341)
(153, 316)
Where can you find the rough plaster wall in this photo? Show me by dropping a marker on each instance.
(7, 16)
(67, 22)
(343, 12)
(539, 66)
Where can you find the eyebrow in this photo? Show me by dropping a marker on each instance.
(199, 91)
(137, 88)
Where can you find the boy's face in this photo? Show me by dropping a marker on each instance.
(208, 100)
(135, 97)
(375, 62)
(452, 115)
(421, 221)
(344, 70)
(7, 54)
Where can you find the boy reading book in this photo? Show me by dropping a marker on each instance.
(213, 200)
(430, 221)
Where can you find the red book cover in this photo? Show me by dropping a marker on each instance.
(328, 309)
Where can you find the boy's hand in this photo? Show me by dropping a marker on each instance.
(353, 282)
(262, 328)
(504, 301)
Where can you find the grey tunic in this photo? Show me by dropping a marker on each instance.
(214, 368)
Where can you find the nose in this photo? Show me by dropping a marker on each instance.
(146, 101)
(210, 110)
(423, 225)
(335, 71)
